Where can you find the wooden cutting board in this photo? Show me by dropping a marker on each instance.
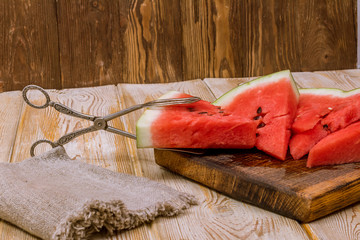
(284, 187)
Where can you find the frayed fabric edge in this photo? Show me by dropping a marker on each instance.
(114, 217)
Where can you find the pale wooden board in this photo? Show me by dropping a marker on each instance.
(329, 79)
(217, 216)
(10, 109)
(346, 221)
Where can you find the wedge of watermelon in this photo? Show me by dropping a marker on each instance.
(258, 113)
(272, 100)
(340, 147)
(321, 112)
(195, 125)
(301, 143)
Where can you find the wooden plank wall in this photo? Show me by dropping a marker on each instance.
(63, 44)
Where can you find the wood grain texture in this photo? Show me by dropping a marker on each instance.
(217, 216)
(321, 40)
(328, 79)
(91, 42)
(287, 188)
(295, 35)
(29, 46)
(10, 108)
(99, 42)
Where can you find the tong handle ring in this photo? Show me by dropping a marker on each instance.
(32, 149)
(26, 99)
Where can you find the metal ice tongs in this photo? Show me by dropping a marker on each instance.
(100, 123)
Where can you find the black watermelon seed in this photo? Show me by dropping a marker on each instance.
(202, 112)
(191, 109)
(257, 134)
(261, 125)
(257, 117)
(259, 110)
(326, 127)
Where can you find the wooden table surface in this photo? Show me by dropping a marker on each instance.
(217, 216)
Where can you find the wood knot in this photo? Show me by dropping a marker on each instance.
(95, 4)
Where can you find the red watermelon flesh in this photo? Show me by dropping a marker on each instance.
(331, 109)
(301, 143)
(195, 125)
(312, 108)
(340, 147)
(276, 131)
(273, 100)
(342, 116)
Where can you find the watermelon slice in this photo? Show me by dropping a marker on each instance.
(340, 147)
(301, 143)
(321, 112)
(258, 113)
(195, 125)
(272, 100)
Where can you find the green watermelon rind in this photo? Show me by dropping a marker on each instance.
(329, 92)
(228, 97)
(143, 125)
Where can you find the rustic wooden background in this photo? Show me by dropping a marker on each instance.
(63, 44)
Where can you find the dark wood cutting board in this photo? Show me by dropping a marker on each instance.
(284, 187)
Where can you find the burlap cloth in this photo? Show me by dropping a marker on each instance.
(54, 197)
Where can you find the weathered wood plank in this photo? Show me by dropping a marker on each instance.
(9, 231)
(119, 41)
(287, 188)
(328, 79)
(323, 31)
(10, 109)
(346, 222)
(249, 38)
(91, 42)
(217, 216)
(208, 31)
(100, 42)
(219, 86)
(29, 46)
(156, 36)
